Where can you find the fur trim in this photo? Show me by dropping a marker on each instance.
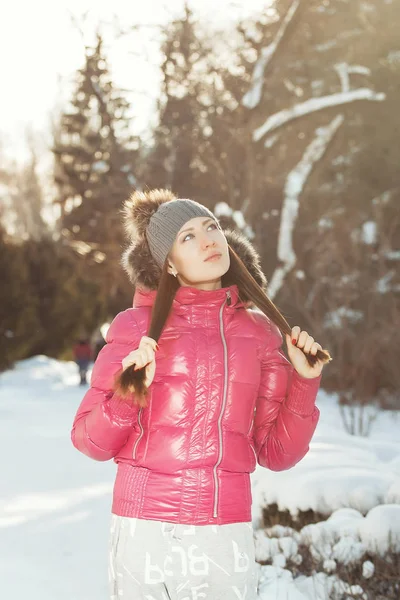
(137, 260)
(248, 255)
(142, 269)
(138, 210)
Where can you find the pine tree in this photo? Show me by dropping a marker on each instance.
(68, 302)
(172, 161)
(18, 308)
(95, 155)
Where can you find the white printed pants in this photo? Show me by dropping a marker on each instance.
(157, 560)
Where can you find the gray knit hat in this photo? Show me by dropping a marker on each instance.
(166, 222)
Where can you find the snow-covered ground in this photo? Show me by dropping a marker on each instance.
(55, 503)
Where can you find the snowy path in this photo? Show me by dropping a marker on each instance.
(55, 503)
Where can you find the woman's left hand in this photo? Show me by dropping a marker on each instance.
(301, 345)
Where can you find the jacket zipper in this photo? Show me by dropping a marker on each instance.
(141, 433)
(248, 433)
(221, 324)
(254, 452)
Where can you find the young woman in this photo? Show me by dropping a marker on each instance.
(190, 392)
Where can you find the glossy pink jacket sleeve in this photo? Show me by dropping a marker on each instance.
(103, 421)
(286, 415)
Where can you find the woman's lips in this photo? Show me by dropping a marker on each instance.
(216, 256)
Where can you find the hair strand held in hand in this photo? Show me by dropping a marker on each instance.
(250, 290)
(130, 383)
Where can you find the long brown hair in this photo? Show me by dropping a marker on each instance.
(130, 383)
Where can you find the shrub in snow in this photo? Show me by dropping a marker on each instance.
(347, 556)
(265, 547)
(273, 516)
(380, 530)
(275, 582)
(348, 550)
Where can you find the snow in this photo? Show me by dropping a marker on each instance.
(383, 284)
(325, 223)
(313, 105)
(337, 319)
(344, 538)
(392, 254)
(253, 96)
(343, 70)
(367, 7)
(394, 57)
(100, 166)
(55, 503)
(384, 198)
(132, 180)
(368, 569)
(360, 69)
(380, 528)
(325, 46)
(342, 160)
(271, 140)
(347, 536)
(104, 328)
(369, 232)
(222, 209)
(340, 470)
(300, 274)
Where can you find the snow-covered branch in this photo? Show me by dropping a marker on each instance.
(295, 183)
(344, 70)
(222, 209)
(313, 105)
(253, 96)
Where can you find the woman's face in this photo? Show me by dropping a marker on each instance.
(200, 254)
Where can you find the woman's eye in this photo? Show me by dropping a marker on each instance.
(190, 235)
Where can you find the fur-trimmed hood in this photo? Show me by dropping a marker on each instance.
(142, 269)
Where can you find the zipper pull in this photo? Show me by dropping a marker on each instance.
(228, 297)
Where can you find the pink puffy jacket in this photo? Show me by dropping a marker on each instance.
(223, 397)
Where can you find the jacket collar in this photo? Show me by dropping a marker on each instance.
(191, 296)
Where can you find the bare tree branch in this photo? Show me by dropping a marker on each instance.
(295, 183)
(253, 96)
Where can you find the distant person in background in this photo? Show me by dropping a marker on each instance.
(82, 356)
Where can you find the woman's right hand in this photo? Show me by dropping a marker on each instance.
(144, 356)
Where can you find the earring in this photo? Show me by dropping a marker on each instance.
(174, 274)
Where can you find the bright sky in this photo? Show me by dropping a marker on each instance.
(41, 49)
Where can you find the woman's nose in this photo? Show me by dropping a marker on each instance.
(207, 241)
